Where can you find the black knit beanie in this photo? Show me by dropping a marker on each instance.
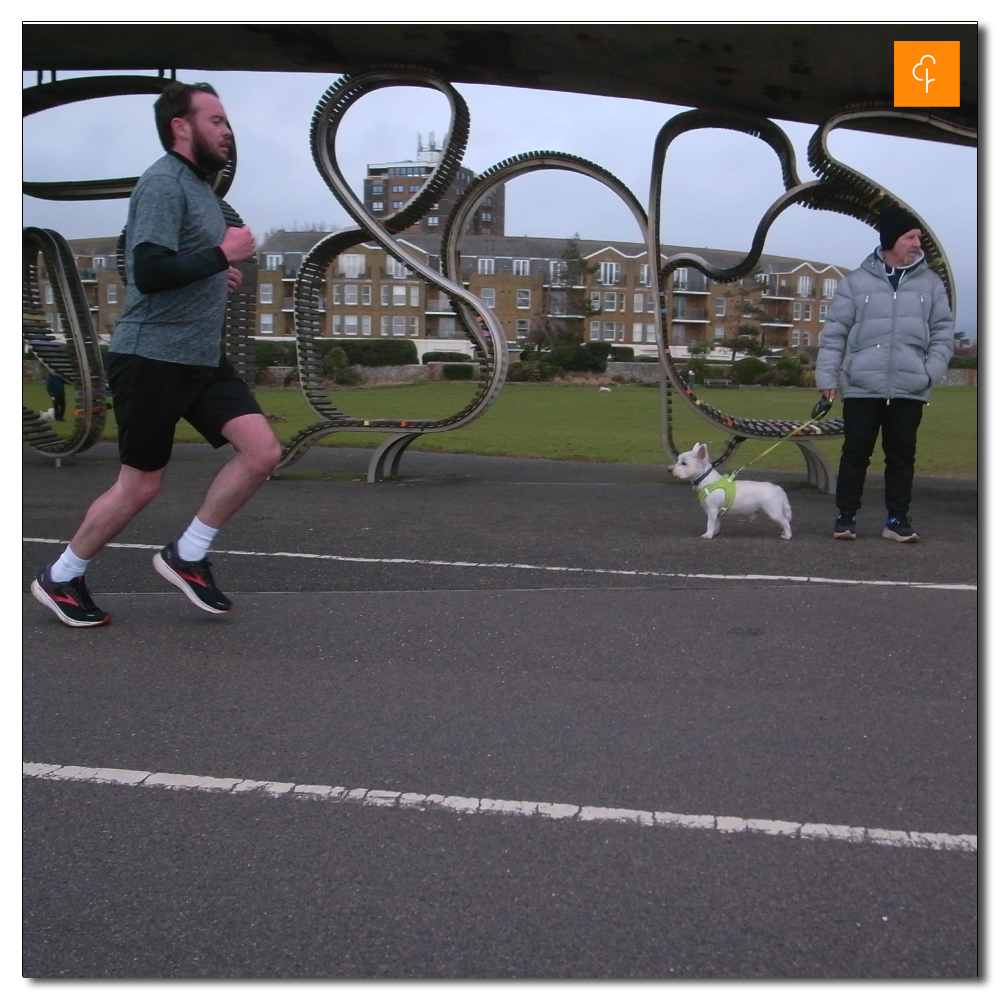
(892, 223)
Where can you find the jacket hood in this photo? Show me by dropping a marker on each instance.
(875, 263)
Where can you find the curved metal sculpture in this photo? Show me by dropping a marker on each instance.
(838, 189)
(78, 359)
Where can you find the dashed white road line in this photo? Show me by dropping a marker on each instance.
(967, 843)
(552, 569)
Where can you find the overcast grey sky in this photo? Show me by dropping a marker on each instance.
(717, 183)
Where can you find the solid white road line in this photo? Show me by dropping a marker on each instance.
(967, 843)
(550, 569)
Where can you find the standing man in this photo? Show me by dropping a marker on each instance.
(888, 337)
(165, 362)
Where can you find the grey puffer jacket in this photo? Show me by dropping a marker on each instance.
(882, 343)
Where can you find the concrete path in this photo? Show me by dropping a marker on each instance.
(564, 737)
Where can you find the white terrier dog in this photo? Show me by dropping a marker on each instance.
(744, 497)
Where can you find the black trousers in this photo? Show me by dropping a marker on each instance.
(898, 420)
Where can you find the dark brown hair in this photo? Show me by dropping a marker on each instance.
(175, 102)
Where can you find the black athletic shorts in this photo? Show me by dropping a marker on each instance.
(151, 396)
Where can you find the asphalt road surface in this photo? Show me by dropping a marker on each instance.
(645, 755)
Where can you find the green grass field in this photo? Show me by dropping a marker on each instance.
(581, 424)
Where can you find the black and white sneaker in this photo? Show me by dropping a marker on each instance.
(193, 579)
(899, 530)
(846, 525)
(71, 601)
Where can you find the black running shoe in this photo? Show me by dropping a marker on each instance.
(846, 525)
(70, 601)
(899, 530)
(193, 579)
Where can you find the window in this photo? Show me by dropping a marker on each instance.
(796, 337)
(807, 311)
(796, 311)
(805, 338)
(829, 287)
(335, 291)
(621, 302)
(720, 307)
(384, 326)
(396, 268)
(720, 333)
(366, 326)
(609, 330)
(414, 187)
(557, 270)
(351, 326)
(266, 294)
(644, 274)
(595, 329)
(414, 326)
(397, 204)
(397, 189)
(485, 265)
(524, 298)
(399, 295)
(650, 333)
(366, 295)
(49, 297)
(352, 265)
(610, 273)
(435, 207)
(274, 261)
(99, 263)
(414, 295)
(822, 313)
(337, 322)
(378, 206)
(432, 220)
(522, 328)
(384, 294)
(595, 301)
(486, 229)
(487, 203)
(805, 287)
(681, 278)
(486, 216)
(650, 304)
(637, 332)
(489, 297)
(521, 268)
(399, 326)
(610, 301)
(377, 189)
(111, 294)
(638, 301)
(350, 295)
(267, 323)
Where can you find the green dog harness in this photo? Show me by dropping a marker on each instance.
(727, 484)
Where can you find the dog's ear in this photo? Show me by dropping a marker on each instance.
(701, 451)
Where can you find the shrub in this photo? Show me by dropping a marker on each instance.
(458, 372)
(747, 370)
(379, 353)
(335, 361)
(268, 353)
(621, 354)
(592, 357)
(531, 371)
(444, 356)
(969, 361)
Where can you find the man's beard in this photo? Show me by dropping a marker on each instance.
(204, 157)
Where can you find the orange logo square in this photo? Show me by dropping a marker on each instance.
(925, 75)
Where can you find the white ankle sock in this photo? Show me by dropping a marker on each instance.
(68, 567)
(194, 544)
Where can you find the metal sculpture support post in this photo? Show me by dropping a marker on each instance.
(838, 189)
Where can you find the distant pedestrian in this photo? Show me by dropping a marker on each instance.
(55, 386)
(888, 337)
(165, 362)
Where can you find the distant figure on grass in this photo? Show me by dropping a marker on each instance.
(165, 362)
(55, 386)
(888, 337)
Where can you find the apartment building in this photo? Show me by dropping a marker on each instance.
(601, 292)
(389, 186)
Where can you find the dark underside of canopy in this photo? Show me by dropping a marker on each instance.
(796, 72)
